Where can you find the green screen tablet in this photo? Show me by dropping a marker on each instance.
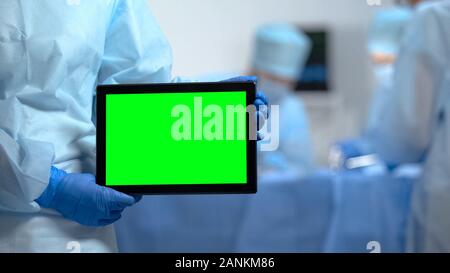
(176, 138)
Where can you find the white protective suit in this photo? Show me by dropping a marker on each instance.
(53, 53)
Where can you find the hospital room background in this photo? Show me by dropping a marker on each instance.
(326, 208)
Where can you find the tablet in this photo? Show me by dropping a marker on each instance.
(176, 138)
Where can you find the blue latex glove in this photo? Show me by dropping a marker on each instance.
(347, 149)
(353, 148)
(77, 197)
(260, 100)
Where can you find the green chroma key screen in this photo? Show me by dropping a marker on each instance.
(175, 138)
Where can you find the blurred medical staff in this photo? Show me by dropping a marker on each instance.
(415, 125)
(385, 37)
(370, 203)
(386, 34)
(280, 53)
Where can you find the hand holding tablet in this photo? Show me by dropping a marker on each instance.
(177, 138)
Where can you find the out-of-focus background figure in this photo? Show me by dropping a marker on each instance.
(409, 125)
(415, 128)
(280, 53)
(386, 34)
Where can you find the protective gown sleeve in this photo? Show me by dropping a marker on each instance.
(136, 50)
(24, 168)
(404, 132)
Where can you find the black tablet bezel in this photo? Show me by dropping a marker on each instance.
(104, 90)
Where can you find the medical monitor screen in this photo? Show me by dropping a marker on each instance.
(316, 74)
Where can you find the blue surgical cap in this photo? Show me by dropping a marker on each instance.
(387, 30)
(281, 49)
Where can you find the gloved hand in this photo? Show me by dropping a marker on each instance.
(349, 148)
(77, 197)
(346, 149)
(261, 100)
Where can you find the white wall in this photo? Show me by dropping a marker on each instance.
(210, 36)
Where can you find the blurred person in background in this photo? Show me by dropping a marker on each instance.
(280, 53)
(415, 127)
(385, 37)
(410, 125)
(386, 34)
